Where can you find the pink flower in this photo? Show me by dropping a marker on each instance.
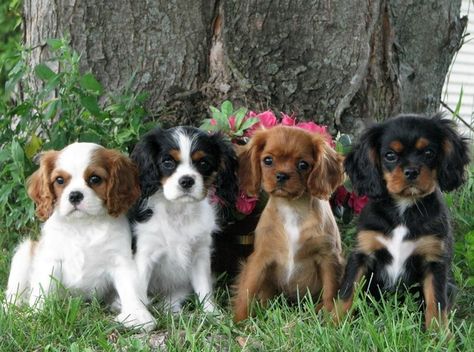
(266, 119)
(287, 120)
(343, 197)
(213, 122)
(315, 128)
(312, 127)
(245, 204)
(232, 122)
(357, 202)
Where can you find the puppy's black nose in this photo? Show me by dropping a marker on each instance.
(411, 173)
(282, 177)
(186, 182)
(75, 197)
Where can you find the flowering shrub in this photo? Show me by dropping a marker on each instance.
(241, 124)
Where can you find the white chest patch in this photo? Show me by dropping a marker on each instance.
(291, 223)
(399, 249)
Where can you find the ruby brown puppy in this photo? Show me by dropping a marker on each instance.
(297, 242)
(404, 236)
(82, 193)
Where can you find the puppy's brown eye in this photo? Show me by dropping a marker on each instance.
(391, 157)
(59, 180)
(94, 180)
(303, 165)
(429, 153)
(268, 160)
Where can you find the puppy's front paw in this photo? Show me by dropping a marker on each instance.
(209, 307)
(36, 302)
(116, 305)
(140, 319)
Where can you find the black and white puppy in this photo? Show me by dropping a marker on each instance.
(183, 171)
(404, 236)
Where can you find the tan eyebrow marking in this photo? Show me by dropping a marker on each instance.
(421, 143)
(176, 154)
(199, 154)
(396, 146)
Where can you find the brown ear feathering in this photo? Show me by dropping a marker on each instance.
(327, 172)
(123, 187)
(40, 188)
(249, 173)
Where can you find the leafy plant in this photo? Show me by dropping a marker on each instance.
(461, 204)
(10, 35)
(69, 106)
(233, 123)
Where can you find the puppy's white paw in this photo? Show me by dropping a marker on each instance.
(209, 307)
(175, 308)
(36, 302)
(116, 305)
(139, 318)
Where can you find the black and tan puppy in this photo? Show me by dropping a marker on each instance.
(404, 236)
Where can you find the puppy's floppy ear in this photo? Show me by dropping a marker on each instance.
(327, 173)
(40, 188)
(250, 173)
(123, 187)
(145, 156)
(452, 170)
(226, 182)
(362, 164)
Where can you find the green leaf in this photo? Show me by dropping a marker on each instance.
(52, 84)
(90, 137)
(44, 73)
(227, 108)
(90, 103)
(459, 103)
(52, 109)
(348, 185)
(249, 123)
(208, 127)
(4, 155)
(216, 114)
(33, 146)
(88, 82)
(239, 117)
(14, 76)
(17, 153)
(55, 44)
(344, 144)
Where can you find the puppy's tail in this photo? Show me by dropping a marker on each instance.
(18, 281)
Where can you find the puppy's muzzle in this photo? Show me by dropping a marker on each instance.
(411, 173)
(186, 182)
(75, 197)
(282, 177)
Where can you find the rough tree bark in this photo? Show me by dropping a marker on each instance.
(337, 62)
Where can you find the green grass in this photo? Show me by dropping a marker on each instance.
(70, 324)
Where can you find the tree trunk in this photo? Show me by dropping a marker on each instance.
(337, 62)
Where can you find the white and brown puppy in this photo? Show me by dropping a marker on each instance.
(180, 169)
(297, 245)
(82, 193)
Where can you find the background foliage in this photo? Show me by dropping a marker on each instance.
(10, 34)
